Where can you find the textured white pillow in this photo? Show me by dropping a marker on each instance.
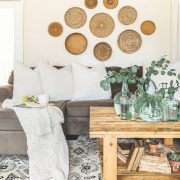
(26, 82)
(87, 82)
(57, 83)
(160, 78)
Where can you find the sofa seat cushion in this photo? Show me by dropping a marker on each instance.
(9, 121)
(82, 108)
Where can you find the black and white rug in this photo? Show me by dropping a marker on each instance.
(84, 162)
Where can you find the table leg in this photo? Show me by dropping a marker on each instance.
(109, 158)
(168, 142)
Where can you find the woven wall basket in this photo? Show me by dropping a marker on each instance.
(148, 27)
(110, 4)
(76, 43)
(75, 17)
(129, 41)
(102, 25)
(102, 51)
(55, 29)
(91, 4)
(127, 15)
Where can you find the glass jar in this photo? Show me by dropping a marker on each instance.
(125, 100)
(170, 109)
(151, 109)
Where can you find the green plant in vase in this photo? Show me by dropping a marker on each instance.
(170, 106)
(148, 105)
(174, 161)
(123, 99)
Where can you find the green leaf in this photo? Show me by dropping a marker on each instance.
(110, 73)
(113, 80)
(153, 64)
(163, 72)
(169, 73)
(134, 69)
(167, 61)
(178, 76)
(105, 85)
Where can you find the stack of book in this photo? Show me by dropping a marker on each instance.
(155, 162)
(135, 154)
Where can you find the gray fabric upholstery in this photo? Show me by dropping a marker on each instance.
(81, 108)
(13, 142)
(77, 115)
(6, 91)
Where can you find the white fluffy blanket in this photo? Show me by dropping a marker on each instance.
(47, 147)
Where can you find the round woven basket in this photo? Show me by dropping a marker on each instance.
(110, 4)
(127, 15)
(102, 25)
(102, 51)
(129, 41)
(91, 4)
(148, 27)
(76, 43)
(55, 29)
(75, 17)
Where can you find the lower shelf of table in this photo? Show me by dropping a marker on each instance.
(122, 174)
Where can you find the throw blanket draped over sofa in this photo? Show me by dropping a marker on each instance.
(47, 146)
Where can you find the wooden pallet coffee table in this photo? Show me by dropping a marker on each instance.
(104, 124)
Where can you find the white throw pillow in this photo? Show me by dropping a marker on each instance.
(165, 78)
(87, 82)
(57, 83)
(26, 82)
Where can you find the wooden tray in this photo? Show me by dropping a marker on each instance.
(110, 4)
(102, 51)
(148, 27)
(102, 25)
(75, 17)
(91, 4)
(129, 41)
(76, 43)
(55, 29)
(127, 15)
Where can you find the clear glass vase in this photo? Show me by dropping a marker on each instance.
(170, 109)
(123, 101)
(126, 101)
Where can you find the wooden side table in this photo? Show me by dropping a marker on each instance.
(106, 125)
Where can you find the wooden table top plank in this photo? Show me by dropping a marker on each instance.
(103, 120)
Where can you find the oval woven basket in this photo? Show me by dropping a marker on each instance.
(102, 25)
(76, 43)
(129, 41)
(127, 15)
(91, 4)
(55, 29)
(75, 17)
(102, 51)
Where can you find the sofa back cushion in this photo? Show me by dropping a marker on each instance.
(115, 88)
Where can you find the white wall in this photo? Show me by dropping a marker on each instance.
(40, 46)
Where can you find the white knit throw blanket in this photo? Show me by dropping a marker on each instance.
(47, 146)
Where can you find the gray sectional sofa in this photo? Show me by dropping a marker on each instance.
(76, 113)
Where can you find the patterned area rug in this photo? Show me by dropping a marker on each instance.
(84, 162)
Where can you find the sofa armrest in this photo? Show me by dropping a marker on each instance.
(6, 91)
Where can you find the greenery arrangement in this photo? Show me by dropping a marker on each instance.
(30, 99)
(129, 75)
(153, 142)
(124, 74)
(174, 157)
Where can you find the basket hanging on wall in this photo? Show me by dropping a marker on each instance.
(110, 4)
(55, 29)
(75, 17)
(91, 4)
(102, 25)
(102, 51)
(127, 15)
(76, 43)
(129, 41)
(148, 27)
